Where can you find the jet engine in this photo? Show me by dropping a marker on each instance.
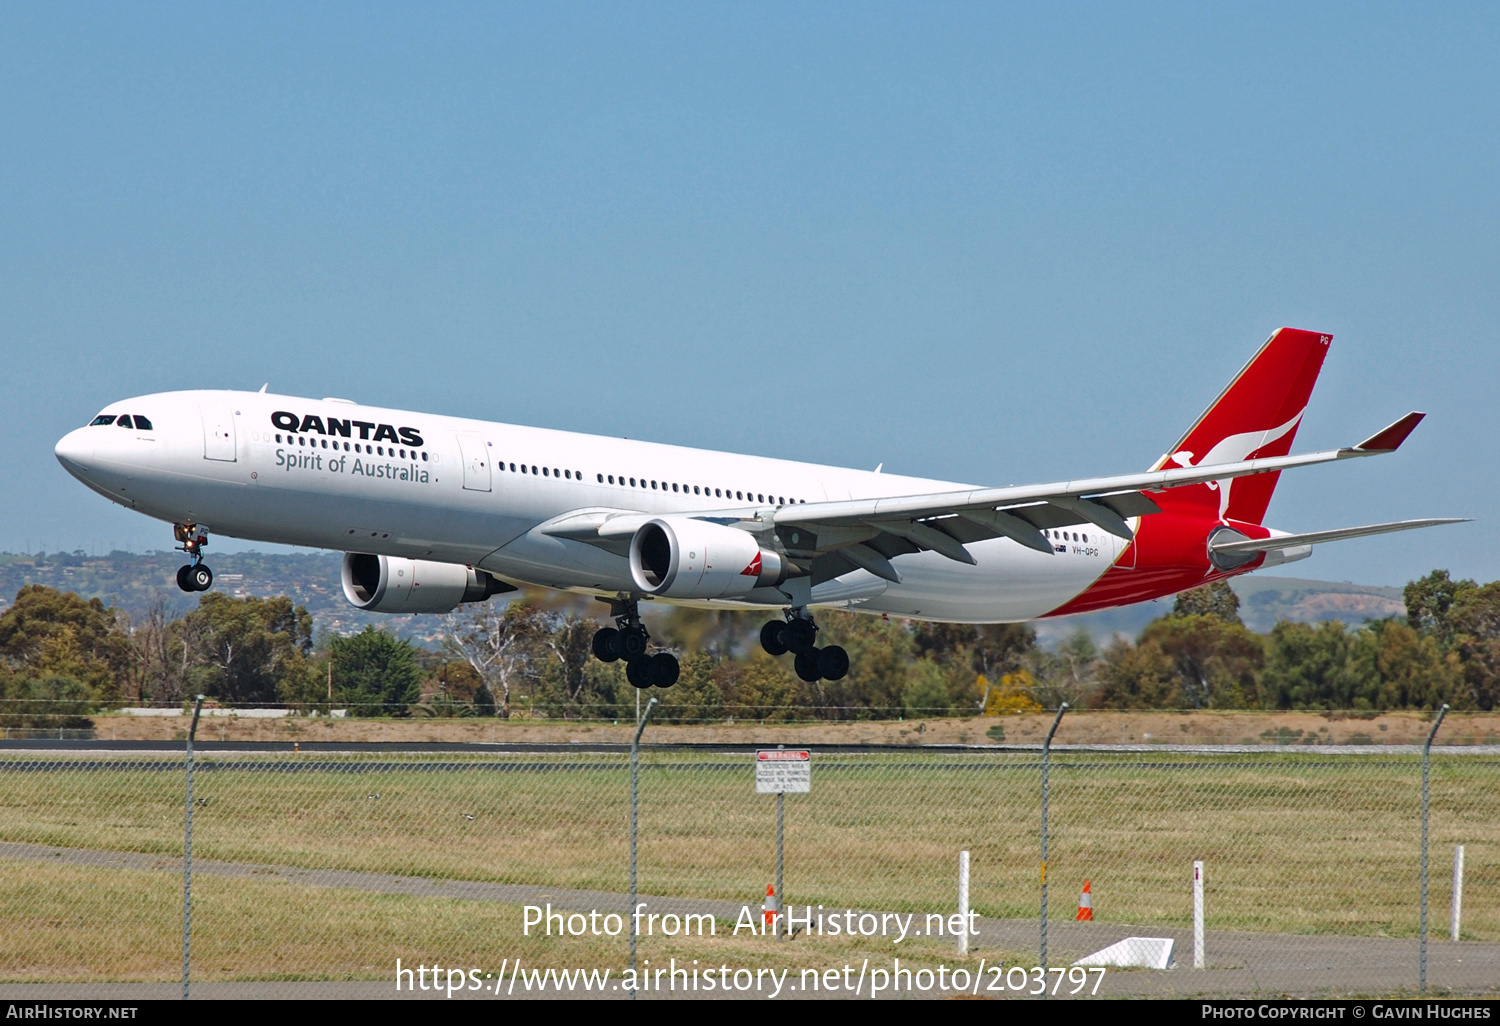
(387, 584)
(686, 558)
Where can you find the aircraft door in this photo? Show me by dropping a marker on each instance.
(218, 432)
(476, 462)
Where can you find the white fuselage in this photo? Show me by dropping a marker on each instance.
(218, 459)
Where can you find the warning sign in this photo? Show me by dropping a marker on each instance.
(783, 771)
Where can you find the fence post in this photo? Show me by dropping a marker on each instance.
(187, 851)
(780, 900)
(1458, 891)
(1046, 758)
(1426, 760)
(1198, 961)
(635, 773)
(963, 901)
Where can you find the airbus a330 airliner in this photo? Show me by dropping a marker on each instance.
(436, 511)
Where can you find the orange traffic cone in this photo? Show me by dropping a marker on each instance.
(772, 906)
(1085, 904)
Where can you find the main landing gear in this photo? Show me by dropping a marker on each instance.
(798, 634)
(194, 576)
(628, 641)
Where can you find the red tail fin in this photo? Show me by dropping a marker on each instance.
(1257, 415)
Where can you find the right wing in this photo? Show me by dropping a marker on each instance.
(837, 537)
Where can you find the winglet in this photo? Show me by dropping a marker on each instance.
(1390, 439)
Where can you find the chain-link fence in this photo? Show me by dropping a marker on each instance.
(331, 865)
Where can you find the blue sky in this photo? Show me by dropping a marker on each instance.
(984, 242)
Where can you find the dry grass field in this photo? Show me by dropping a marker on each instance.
(1295, 842)
(1218, 728)
(72, 924)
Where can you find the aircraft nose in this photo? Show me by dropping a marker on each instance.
(75, 451)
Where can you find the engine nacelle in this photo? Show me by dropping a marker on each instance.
(388, 584)
(685, 558)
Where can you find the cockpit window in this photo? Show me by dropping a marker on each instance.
(124, 421)
(141, 423)
(103, 418)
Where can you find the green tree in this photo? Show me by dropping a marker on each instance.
(1216, 599)
(52, 700)
(1069, 676)
(762, 689)
(1217, 661)
(506, 646)
(1430, 599)
(881, 654)
(248, 650)
(1320, 667)
(697, 696)
(926, 690)
(1474, 622)
(375, 674)
(1137, 677)
(51, 633)
(1415, 671)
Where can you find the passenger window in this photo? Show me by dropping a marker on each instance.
(102, 419)
(523, 468)
(653, 486)
(424, 455)
(544, 472)
(760, 498)
(278, 438)
(674, 486)
(695, 489)
(739, 495)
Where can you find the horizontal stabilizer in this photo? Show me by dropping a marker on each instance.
(1250, 546)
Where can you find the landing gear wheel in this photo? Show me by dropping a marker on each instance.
(833, 663)
(200, 577)
(182, 577)
(773, 637)
(638, 672)
(807, 666)
(800, 635)
(606, 644)
(632, 643)
(664, 669)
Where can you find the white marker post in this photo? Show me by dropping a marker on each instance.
(1198, 915)
(1458, 890)
(963, 901)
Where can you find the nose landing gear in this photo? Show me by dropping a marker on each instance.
(629, 641)
(798, 634)
(194, 576)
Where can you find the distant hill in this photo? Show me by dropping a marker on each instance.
(134, 581)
